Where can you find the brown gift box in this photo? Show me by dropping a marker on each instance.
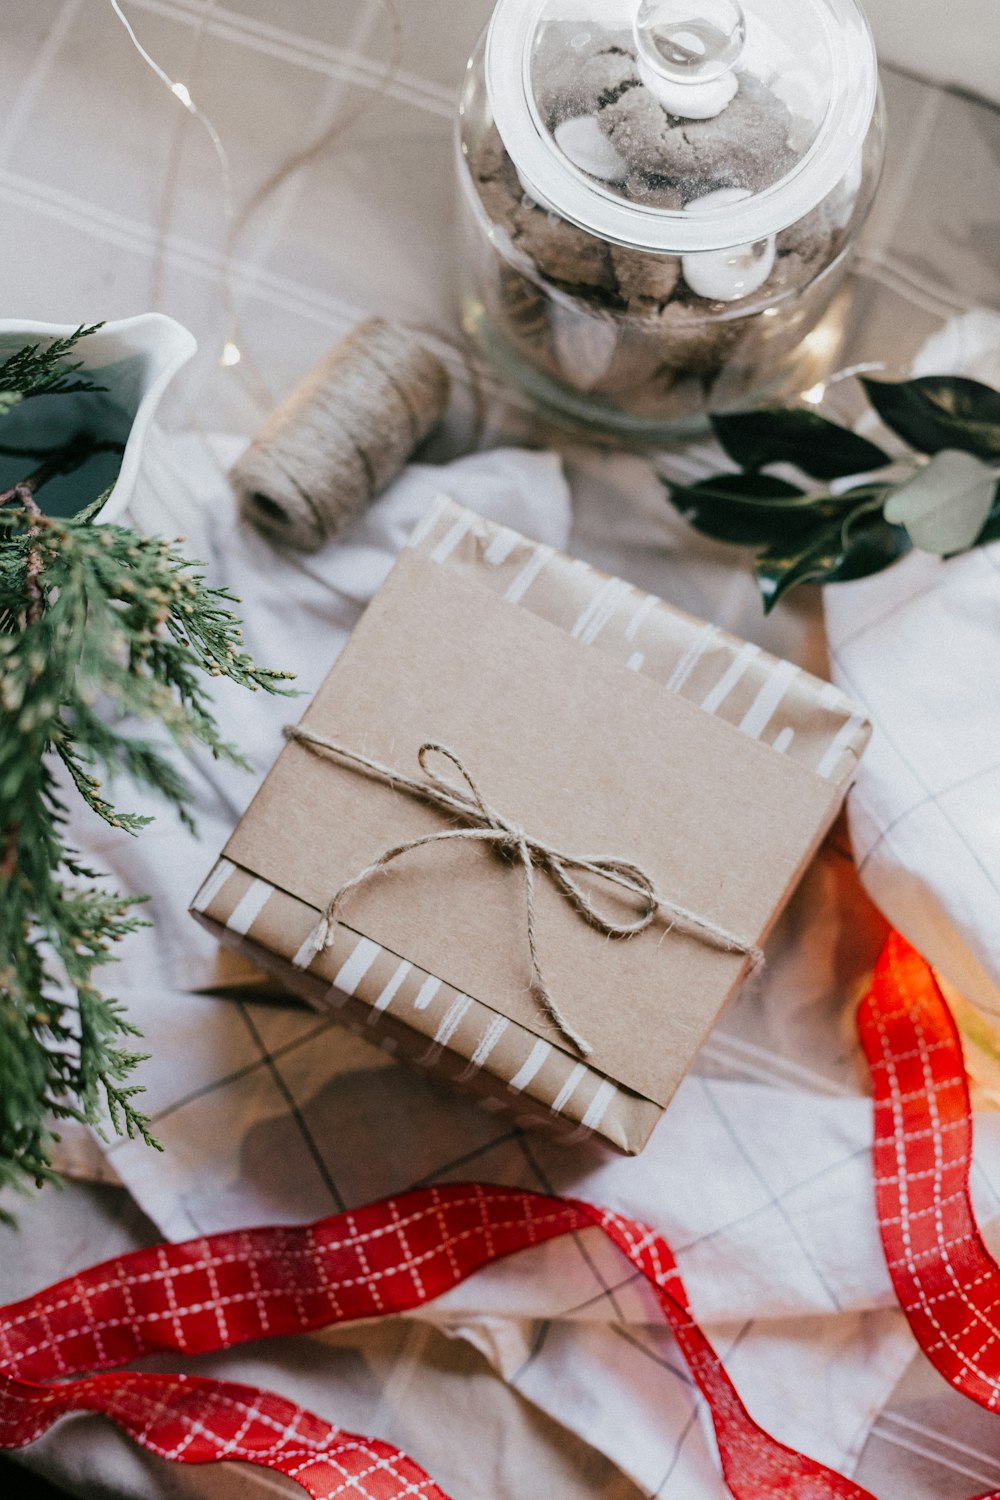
(601, 721)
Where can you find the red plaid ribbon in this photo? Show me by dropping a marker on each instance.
(228, 1289)
(945, 1278)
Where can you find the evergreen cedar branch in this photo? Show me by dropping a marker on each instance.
(835, 533)
(100, 629)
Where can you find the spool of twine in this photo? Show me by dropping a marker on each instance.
(342, 435)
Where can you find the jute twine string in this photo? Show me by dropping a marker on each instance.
(342, 435)
(308, 506)
(487, 825)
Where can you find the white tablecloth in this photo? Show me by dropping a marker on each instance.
(116, 199)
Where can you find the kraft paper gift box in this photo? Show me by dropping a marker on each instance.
(598, 720)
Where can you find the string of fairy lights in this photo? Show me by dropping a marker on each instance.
(233, 351)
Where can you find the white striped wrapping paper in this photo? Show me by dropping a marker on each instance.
(414, 1013)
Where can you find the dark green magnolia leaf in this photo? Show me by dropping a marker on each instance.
(794, 435)
(940, 411)
(991, 530)
(749, 509)
(854, 546)
(872, 545)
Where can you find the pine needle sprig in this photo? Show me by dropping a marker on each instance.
(107, 641)
(102, 628)
(42, 370)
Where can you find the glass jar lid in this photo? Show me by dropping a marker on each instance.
(681, 125)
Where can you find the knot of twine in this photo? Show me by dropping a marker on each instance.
(486, 825)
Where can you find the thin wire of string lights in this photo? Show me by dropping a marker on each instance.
(235, 347)
(234, 350)
(231, 352)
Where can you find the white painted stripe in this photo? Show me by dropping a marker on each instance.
(831, 759)
(250, 907)
(599, 1105)
(625, 592)
(765, 705)
(335, 998)
(635, 661)
(783, 743)
(734, 674)
(451, 539)
(501, 546)
(491, 1036)
(536, 1057)
(692, 657)
(308, 951)
(426, 993)
(429, 520)
(357, 966)
(584, 618)
(600, 607)
(213, 885)
(539, 559)
(639, 618)
(606, 605)
(564, 1095)
(452, 1020)
(390, 992)
(487, 1042)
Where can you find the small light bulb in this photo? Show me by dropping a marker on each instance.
(182, 93)
(230, 354)
(815, 395)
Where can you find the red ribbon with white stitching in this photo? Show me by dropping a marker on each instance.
(228, 1289)
(945, 1278)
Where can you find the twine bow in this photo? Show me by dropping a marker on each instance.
(486, 825)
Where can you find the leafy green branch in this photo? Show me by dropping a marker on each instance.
(41, 370)
(941, 494)
(101, 631)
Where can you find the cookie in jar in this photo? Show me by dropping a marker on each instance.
(659, 200)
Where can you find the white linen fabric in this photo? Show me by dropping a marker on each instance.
(918, 647)
(759, 1174)
(271, 1113)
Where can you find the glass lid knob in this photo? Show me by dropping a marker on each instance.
(689, 41)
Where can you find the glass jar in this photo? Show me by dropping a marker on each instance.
(659, 199)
